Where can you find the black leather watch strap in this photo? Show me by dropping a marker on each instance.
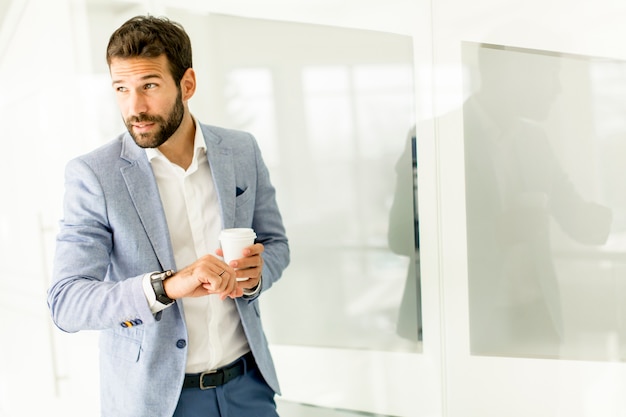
(156, 279)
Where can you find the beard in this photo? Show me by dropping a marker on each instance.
(165, 128)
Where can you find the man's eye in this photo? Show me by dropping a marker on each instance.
(121, 89)
(150, 86)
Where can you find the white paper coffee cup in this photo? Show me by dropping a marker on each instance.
(234, 241)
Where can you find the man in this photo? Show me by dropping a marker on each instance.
(180, 335)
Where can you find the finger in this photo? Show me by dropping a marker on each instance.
(230, 291)
(224, 279)
(250, 283)
(248, 273)
(232, 294)
(216, 285)
(237, 293)
(253, 261)
(255, 249)
(211, 284)
(213, 271)
(214, 281)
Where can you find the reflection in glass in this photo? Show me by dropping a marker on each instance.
(539, 223)
(404, 239)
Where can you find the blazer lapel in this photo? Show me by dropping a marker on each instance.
(222, 168)
(144, 192)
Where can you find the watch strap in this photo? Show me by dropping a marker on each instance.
(156, 280)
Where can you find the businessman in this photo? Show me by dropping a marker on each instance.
(138, 256)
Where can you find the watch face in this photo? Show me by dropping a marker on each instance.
(161, 275)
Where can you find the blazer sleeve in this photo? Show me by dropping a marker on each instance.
(268, 225)
(81, 297)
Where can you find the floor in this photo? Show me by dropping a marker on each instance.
(289, 409)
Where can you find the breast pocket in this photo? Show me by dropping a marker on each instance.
(244, 207)
(242, 195)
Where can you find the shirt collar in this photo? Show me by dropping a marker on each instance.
(199, 146)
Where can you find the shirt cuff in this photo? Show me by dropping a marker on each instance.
(155, 306)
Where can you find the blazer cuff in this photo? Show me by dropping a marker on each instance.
(252, 292)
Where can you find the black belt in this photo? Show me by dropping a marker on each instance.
(212, 379)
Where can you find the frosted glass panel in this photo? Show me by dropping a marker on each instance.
(335, 119)
(544, 150)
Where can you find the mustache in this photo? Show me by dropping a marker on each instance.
(144, 118)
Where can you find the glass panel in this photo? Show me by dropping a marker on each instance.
(368, 283)
(249, 97)
(544, 151)
(335, 119)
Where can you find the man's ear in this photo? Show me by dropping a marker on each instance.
(188, 84)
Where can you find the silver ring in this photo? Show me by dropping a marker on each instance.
(222, 273)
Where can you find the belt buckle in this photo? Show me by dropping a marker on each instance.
(202, 387)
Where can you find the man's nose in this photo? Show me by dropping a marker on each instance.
(137, 104)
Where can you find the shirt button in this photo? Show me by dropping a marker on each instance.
(181, 343)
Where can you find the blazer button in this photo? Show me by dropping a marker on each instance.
(181, 343)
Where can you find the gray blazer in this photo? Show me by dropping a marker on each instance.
(114, 231)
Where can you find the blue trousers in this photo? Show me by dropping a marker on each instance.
(247, 395)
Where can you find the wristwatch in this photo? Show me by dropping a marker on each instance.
(156, 279)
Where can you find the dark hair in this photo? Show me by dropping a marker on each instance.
(150, 37)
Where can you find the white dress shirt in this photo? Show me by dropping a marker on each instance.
(189, 199)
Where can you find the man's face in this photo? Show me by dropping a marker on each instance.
(149, 99)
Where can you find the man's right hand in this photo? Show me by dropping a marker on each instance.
(207, 275)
